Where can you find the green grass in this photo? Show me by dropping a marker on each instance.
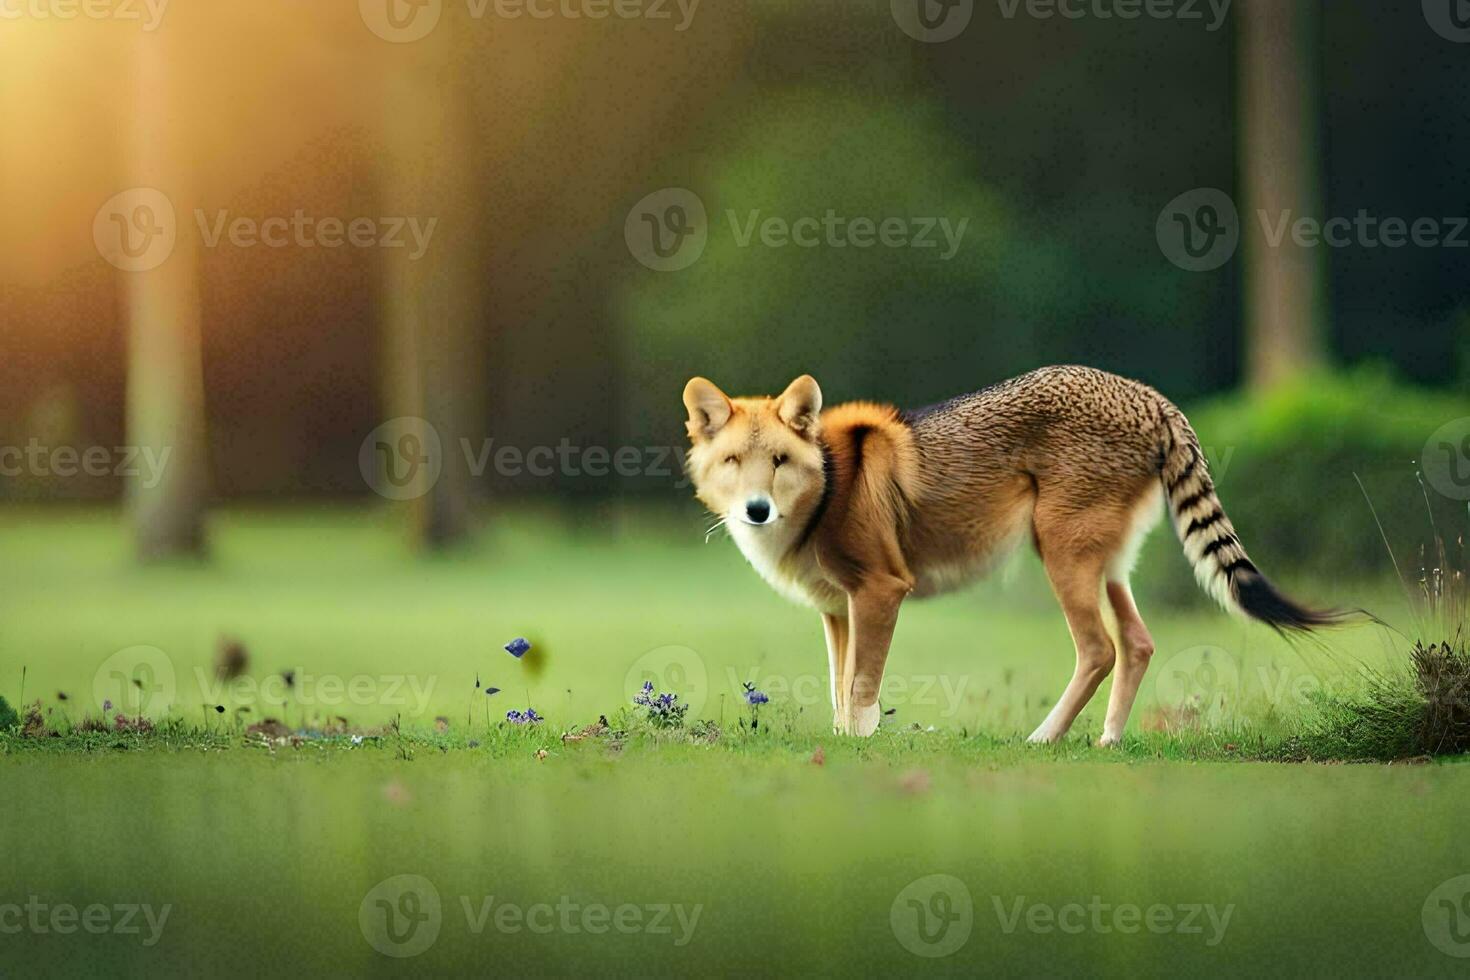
(338, 598)
(266, 853)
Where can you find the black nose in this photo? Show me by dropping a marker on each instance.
(758, 511)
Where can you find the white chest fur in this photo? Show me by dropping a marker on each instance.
(797, 577)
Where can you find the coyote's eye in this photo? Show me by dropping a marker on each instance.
(776, 461)
(732, 459)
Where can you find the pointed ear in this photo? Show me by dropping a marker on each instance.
(708, 407)
(800, 405)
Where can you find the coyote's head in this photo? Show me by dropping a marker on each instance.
(756, 462)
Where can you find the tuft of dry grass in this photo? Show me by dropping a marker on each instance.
(1424, 708)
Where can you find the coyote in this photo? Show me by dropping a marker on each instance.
(852, 509)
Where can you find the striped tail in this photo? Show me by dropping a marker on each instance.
(1213, 548)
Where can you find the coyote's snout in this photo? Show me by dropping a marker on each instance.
(852, 509)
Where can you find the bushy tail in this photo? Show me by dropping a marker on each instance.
(1211, 544)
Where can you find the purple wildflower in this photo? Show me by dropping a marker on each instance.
(664, 710)
(527, 717)
(518, 647)
(752, 696)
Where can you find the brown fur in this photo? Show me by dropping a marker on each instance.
(872, 505)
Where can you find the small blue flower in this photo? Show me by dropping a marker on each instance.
(527, 717)
(518, 647)
(752, 696)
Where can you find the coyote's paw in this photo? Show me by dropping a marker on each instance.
(865, 719)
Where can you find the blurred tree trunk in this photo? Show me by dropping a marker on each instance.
(1285, 287)
(433, 339)
(165, 383)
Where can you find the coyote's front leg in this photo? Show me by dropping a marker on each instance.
(872, 612)
(835, 628)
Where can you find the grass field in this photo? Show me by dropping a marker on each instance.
(656, 855)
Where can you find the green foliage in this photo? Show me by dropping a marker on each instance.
(1423, 711)
(751, 315)
(1285, 463)
(8, 718)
